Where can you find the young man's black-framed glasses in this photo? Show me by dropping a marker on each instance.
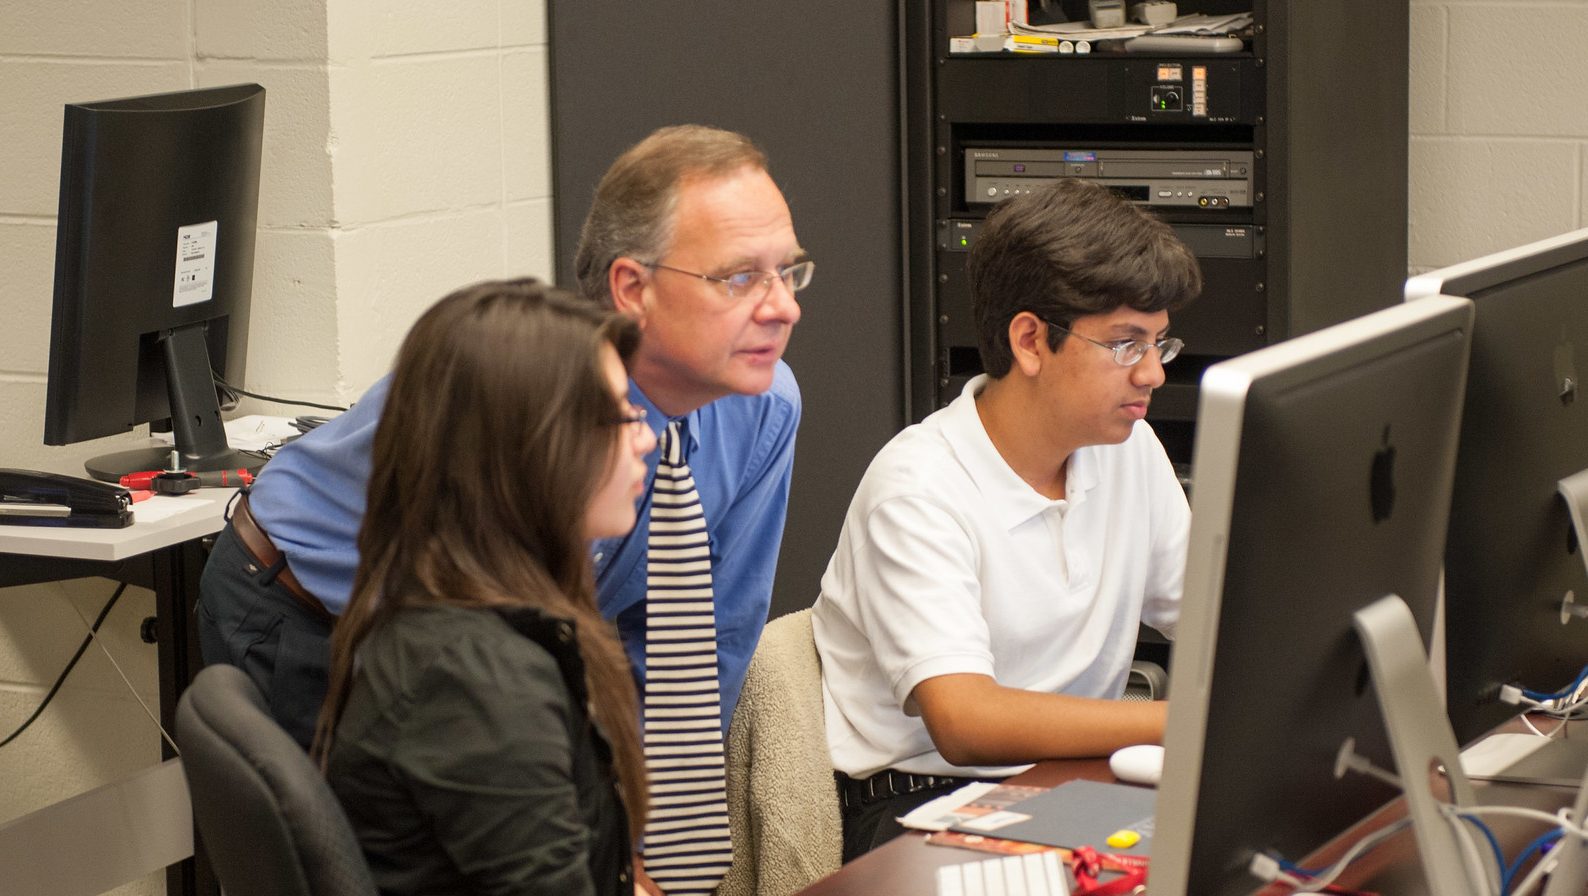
(1127, 352)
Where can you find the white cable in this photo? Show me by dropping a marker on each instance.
(1295, 883)
(1328, 875)
(1572, 707)
(1561, 819)
(1546, 734)
(124, 680)
(1535, 705)
(1471, 856)
(1266, 868)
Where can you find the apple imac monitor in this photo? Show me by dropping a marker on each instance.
(1323, 470)
(154, 266)
(1514, 565)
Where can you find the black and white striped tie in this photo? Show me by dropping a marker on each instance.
(687, 845)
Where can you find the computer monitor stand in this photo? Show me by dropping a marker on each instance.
(195, 418)
(1570, 877)
(1515, 757)
(1421, 740)
(1523, 758)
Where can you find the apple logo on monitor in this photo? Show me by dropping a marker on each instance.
(1381, 484)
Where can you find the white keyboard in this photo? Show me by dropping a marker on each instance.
(1033, 874)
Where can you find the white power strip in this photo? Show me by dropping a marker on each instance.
(1156, 13)
(1107, 13)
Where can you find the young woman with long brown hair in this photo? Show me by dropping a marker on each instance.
(480, 709)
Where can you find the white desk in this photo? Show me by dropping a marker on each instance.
(158, 523)
(161, 550)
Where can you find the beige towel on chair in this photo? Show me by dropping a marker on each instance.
(782, 802)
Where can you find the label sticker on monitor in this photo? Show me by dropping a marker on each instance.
(195, 264)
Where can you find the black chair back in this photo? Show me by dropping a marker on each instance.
(268, 821)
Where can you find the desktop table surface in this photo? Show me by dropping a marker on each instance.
(907, 865)
(162, 544)
(158, 522)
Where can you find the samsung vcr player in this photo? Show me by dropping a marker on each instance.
(1185, 178)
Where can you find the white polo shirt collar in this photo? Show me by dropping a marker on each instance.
(1012, 499)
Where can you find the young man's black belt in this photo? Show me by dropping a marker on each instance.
(856, 792)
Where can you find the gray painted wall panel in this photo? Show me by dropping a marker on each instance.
(816, 84)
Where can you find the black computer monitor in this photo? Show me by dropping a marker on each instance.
(154, 266)
(1512, 560)
(1323, 470)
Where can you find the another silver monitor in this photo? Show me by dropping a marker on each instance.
(1514, 564)
(1323, 470)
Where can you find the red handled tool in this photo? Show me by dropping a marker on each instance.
(178, 482)
(1087, 863)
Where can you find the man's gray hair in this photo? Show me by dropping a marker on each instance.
(634, 204)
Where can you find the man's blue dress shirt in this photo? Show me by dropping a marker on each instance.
(740, 449)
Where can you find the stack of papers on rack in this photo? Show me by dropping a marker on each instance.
(1187, 24)
(1080, 30)
(1197, 24)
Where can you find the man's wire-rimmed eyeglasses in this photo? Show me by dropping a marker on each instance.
(1127, 352)
(753, 284)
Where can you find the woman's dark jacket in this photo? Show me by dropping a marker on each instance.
(467, 763)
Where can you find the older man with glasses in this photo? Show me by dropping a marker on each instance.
(689, 234)
(981, 609)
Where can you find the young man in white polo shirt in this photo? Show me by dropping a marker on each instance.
(981, 609)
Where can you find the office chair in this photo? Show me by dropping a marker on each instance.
(782, 799)
(268, 821)
(1146, 681)
(1149, 678)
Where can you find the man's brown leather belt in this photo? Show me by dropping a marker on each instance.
(265, 553)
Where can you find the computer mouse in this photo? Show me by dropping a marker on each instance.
(1138, 764)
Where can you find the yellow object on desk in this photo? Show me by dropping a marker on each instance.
(1123, 839)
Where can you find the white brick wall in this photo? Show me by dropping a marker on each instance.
(1499, 126)
(95, 731)
(405, 154)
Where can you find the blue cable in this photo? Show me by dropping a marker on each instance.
(1539, 843)
(1557, 695)
(1494, 844)
(1293, 868)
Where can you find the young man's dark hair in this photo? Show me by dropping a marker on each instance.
(1068, 250)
